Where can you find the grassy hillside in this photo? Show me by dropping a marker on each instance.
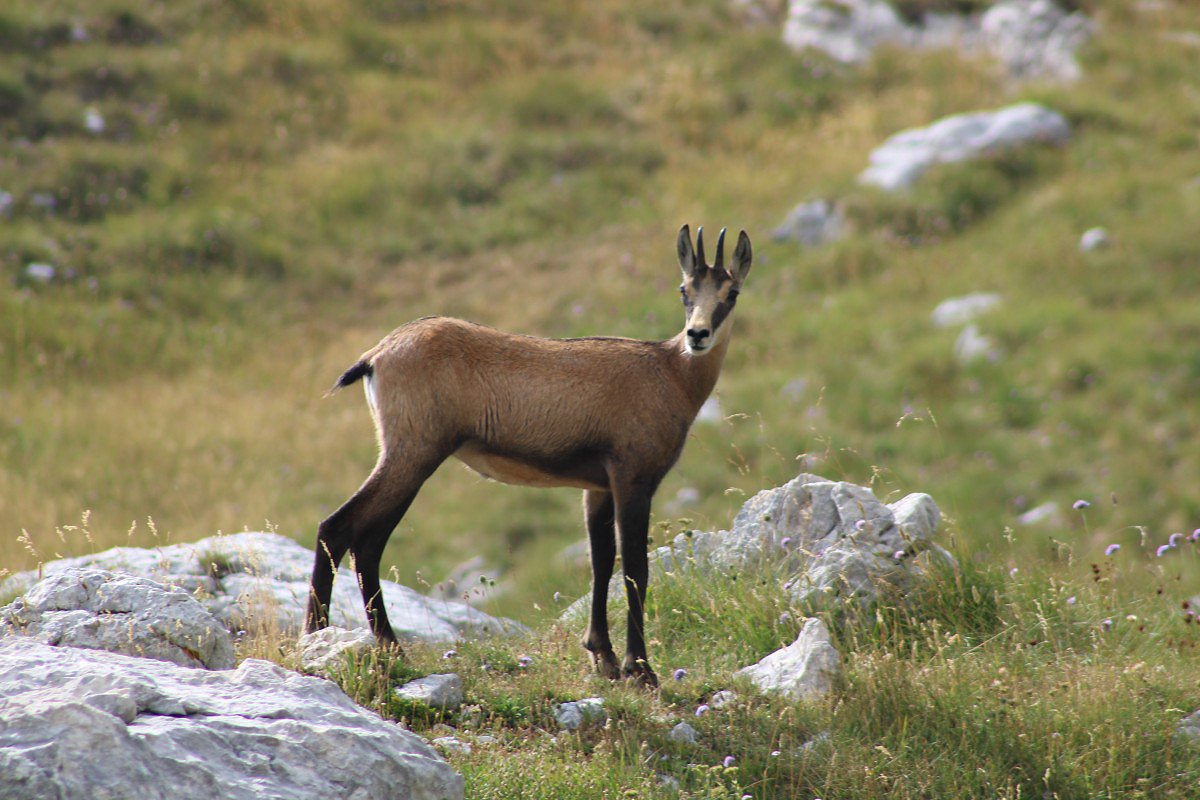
(278, 184)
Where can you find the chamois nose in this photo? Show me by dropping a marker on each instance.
(698, 335)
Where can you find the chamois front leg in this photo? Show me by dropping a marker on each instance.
(633, 524)
(598, 515)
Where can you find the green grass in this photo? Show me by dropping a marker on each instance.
(984, 683)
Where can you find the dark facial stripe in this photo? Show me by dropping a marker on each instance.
(722, 311)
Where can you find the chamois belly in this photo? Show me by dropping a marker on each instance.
(582, 470)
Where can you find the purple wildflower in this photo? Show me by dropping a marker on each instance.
(1162, 549)
(1112, 548)
(1106, 625)
(1071, 600)
(450, 654)
(729, 761)
(1173, 539)
(680, 674)
(1080, 505)
(1195, 535)
(701, 709)
(785, 542)
(860, 525)
(1012, 573)
(898, 555)
(524, 661)
(775, 753)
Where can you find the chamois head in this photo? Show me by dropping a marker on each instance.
(709, 292)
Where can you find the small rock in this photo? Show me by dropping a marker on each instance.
(794, 389)
(452, 744)
(804, 670)
(723, 698)
(40, 273)
(1188, 730)
(961, 310)
(813, 223)
(93, 121)
(580, 713)
(442, 691)
(971, 345)
(1039, 513)
(330, 647)
(683, 734)
(1093, 239)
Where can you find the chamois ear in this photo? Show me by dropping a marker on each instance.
(687, 258)
(742, 256)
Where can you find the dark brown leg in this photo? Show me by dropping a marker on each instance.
(598, 515)
(362, 526)
(633, 523)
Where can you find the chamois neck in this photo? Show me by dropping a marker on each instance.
(699, 373)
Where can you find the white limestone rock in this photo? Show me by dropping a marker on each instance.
(101, 610)
(973, 345)
(1035, 39)
(899, 162)
(330, 647)
(83, 724)
(804, 670)
(442, 691)
(261, 579)
(581, 713)
(831, 538)
(1093, 239)
(1032, 39)
(955, 311)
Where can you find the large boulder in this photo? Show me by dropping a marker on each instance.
(83, 724)
(825, 539)
(101, 610)
(804, 670)
(904, 157)
(261, 580)
(1035, 39)
(1032, 39)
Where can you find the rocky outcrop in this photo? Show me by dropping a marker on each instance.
(81, 724)
(101, 610)
(261, 579)
(826, 539)
(804, 670)
(331, 647)
(1032, 39)
(899, 162)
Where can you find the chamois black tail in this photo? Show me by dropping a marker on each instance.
(360, 370)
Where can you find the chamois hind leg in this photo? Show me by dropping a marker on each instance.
(633, 524)
(362, 526)
(598, 515)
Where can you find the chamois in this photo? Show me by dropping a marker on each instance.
(606, 415)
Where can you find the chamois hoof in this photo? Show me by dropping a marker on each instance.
(606, 665)
(641, 676)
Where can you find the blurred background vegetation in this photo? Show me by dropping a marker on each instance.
(237, 197)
